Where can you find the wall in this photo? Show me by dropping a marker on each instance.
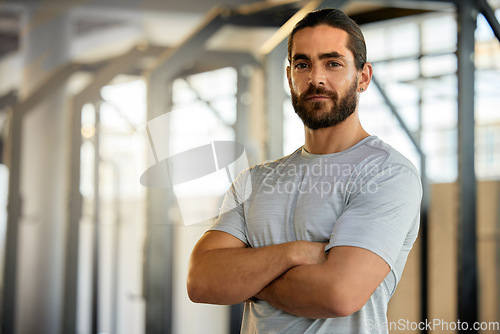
(404, 305)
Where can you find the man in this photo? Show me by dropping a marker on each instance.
(318, 239)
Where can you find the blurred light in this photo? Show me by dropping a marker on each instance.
(88, 131)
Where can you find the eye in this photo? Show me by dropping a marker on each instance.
(334, 64)
(301, 66)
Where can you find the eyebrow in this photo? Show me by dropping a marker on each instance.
(334, 54)
(331, 55)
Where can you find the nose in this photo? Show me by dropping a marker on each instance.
(317, 76)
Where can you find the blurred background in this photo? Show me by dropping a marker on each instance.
(86, 247)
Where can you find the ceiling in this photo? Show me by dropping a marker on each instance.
(158, 22)
(104, 29)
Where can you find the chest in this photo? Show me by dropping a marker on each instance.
(291, 207)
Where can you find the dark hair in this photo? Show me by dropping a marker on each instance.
(337, 19)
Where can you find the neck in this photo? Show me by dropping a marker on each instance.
(336, 138)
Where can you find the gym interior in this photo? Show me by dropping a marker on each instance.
(96, 97)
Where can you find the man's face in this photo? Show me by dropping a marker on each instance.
(322, 76)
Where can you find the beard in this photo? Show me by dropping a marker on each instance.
(314, 117)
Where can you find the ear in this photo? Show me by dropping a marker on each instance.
(365, 77)
(289, 76)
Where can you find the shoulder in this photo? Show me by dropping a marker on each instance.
(384, 165)
(254, 175)
(379, 153)
(271, 167)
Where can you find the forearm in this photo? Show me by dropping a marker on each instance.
(303, 291)
(232, 275)
(336, 288)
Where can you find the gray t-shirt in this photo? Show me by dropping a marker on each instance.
(367, 196)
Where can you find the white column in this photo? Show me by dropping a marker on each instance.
(45, 46)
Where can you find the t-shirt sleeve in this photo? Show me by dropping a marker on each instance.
(380, 211)
(231, 217)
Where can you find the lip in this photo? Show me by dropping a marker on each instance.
(318, 97)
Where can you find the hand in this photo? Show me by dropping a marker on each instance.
(308, 252)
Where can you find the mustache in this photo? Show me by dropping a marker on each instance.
(318, 90)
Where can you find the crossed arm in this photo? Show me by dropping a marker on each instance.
(296, 277)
